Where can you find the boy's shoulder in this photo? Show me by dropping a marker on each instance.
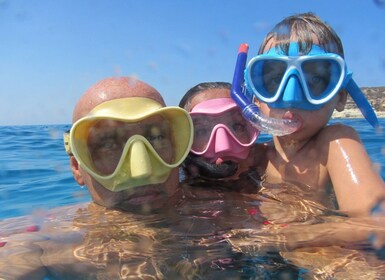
(337, 131)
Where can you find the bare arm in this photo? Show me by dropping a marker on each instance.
(358, 186)
(21, 261)
(347, 232)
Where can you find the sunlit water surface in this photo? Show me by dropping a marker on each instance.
(226, 235)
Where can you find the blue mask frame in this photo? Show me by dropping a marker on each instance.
(293, 91)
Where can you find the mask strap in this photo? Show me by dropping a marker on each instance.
(362, 102)
(66, 140)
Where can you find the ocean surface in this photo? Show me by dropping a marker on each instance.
(35, 173)
(49, 231)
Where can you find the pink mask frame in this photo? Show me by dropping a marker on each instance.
(222, 142)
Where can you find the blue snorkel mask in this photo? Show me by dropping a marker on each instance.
(305, 82)
(250, 111)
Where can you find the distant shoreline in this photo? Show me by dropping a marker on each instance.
(376, 97)
(353, 114)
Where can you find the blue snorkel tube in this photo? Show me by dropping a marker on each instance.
(362, 103)
(250, 111)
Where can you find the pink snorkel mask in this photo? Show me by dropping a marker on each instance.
(220, 131)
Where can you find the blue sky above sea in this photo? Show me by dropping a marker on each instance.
(53, 51)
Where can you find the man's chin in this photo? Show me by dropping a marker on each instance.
(142, 199)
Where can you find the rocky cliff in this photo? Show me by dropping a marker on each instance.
(376, 97)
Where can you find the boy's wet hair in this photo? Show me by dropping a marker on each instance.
(202, 87)
(304, 27)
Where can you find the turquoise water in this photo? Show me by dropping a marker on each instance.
(35, 173)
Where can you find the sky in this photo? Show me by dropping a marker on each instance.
(52, 51)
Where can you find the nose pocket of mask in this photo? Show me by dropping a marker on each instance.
(140, 163)
(293, 92)
(222, 141)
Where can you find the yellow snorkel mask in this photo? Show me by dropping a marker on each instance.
(129, 142)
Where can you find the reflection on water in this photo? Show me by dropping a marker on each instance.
(204, 233)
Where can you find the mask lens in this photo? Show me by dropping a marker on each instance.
(266, 77)
(321, 77)
(106, 140)
(236, 125)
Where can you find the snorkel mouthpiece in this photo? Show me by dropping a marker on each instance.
(250, 111)
(211, 170)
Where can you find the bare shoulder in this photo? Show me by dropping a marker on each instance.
(337, 131)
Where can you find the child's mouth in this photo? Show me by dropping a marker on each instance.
(295, 117)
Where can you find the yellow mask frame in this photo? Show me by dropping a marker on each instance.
(129, 173)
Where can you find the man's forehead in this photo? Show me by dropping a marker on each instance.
(113, 88)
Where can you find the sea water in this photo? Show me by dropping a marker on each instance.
(34, 170)
(36, 178)
(35, 174)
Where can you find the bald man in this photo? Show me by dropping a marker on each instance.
(148, 110)
(125, 146)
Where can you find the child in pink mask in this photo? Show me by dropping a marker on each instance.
(224, 143)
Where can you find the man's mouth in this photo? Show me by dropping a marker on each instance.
(140, 198)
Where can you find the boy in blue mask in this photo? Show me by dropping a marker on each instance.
(300, 75)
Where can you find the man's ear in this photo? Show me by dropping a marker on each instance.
(341, 102)
(76, 171)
